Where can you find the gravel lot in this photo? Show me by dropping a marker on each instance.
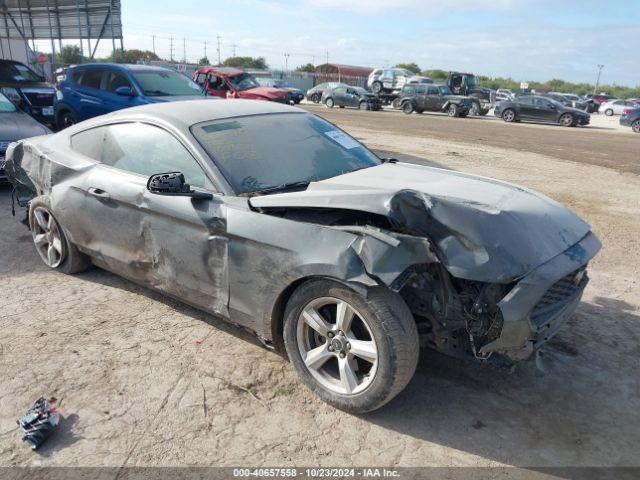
(143, 380)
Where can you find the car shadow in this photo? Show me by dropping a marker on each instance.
(579, 411)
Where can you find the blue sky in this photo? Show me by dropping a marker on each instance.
(524, 39)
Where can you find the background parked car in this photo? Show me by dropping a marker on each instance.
(616, 107)
(389, 79)
(296, 95)
(540, 109)
(15, 125)
(631, 118)
(316, 93)
(434, 98)
(572, 100)
(504, 94)
(356, 97)
(235, 83)
(97, 88)
(602, 98)
(27, 90)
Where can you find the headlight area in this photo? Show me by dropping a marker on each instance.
(454, 316)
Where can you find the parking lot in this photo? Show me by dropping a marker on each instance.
(143, 380)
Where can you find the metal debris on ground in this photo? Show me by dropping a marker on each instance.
(38, 423)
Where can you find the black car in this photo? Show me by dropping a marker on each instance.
(15, 125)
(296, 94)
(631, 118)
(434, 98)
(27, 90)
(540, 109)
(356, 97)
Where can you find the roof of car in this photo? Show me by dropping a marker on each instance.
(221, 70)
(183, 114)
(123, 66)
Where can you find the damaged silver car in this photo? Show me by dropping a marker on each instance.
(279, 222)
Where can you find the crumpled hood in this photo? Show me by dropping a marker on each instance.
(18, 125)
(482, 229)
(269, 93)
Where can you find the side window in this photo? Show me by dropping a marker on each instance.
(433, 91)
(387, 75)
(89, 143)
(77, 76)
(410, 90)
(201, 78)
(146, 150)
(525, 100)
(117, 80)
(92, 78)
(456, 80)
(340, 91)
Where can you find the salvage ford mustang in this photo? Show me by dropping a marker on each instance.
(278, 221)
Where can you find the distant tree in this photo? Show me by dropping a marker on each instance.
(307, 67)
(134, 55)
(204, 61)
(412, 67)
(259, 63)
(435, 74)
(69, 55)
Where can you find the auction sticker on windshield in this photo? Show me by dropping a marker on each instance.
(342, 139)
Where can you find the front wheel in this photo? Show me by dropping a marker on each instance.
(363, 106)
(65, 119)
(608, 112)
(376, 87)
(475, 109)
(355, 352)
(635, 126)
(452, 111)
(407, 107)
(329, 102)
(566, 120)
(395, 104)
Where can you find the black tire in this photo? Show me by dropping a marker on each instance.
(376, 87)
(363, 105)
(329, 102)
(452, 111)
(396, 104)
(315, 98)
(65, 118)
(635, 126)
(509, 115)
(73, 261)
(566, 120)
(340, 106)
(407, 107)
(394, 331)
(608, 112)
(463, 115)
(475, 109)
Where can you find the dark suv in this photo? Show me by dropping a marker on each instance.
(433, 98)
(95, 89)
(27, 90)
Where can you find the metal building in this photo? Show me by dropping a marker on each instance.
(86, 21)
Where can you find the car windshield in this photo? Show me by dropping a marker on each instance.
(445, 90)
(165, 83)
(263, 152)
(6, 106)
(243, 81)
(16, 72)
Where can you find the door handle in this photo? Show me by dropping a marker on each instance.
(96, 192)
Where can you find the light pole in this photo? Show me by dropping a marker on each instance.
(286, 62)
(600, 67)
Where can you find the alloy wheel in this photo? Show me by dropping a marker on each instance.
(635, 126)
(337, 346)
(566, 120)
(47, 237)
(509, 116)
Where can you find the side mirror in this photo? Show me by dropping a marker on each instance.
(173, 184)
(124, 91)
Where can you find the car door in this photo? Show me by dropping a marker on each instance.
(90, 90)
(216, 86)
(545, 110)
(351, 98)
(171, 243)
(433, 99)
(339, 96)
(527, 108)
(115, 80)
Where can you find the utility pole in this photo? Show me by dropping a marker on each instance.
(600, 67)
(219, 60)
(171, 49)
(154, 43)
(184, 50)
(286, 62)
(233, 46)
(205, 49)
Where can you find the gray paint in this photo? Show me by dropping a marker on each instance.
(233, 257)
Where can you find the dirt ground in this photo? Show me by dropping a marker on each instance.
(143, 380)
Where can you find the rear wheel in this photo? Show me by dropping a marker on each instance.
(407, 107)
(376, 87)
(355, 352)
(608, 112)
(329, 102)
(566, 120)
(509, 115)
(635, 126)
(452, 111)
(55, 250)
(363, 105)
(396, 104)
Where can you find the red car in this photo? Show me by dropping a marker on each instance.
(229, 82)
